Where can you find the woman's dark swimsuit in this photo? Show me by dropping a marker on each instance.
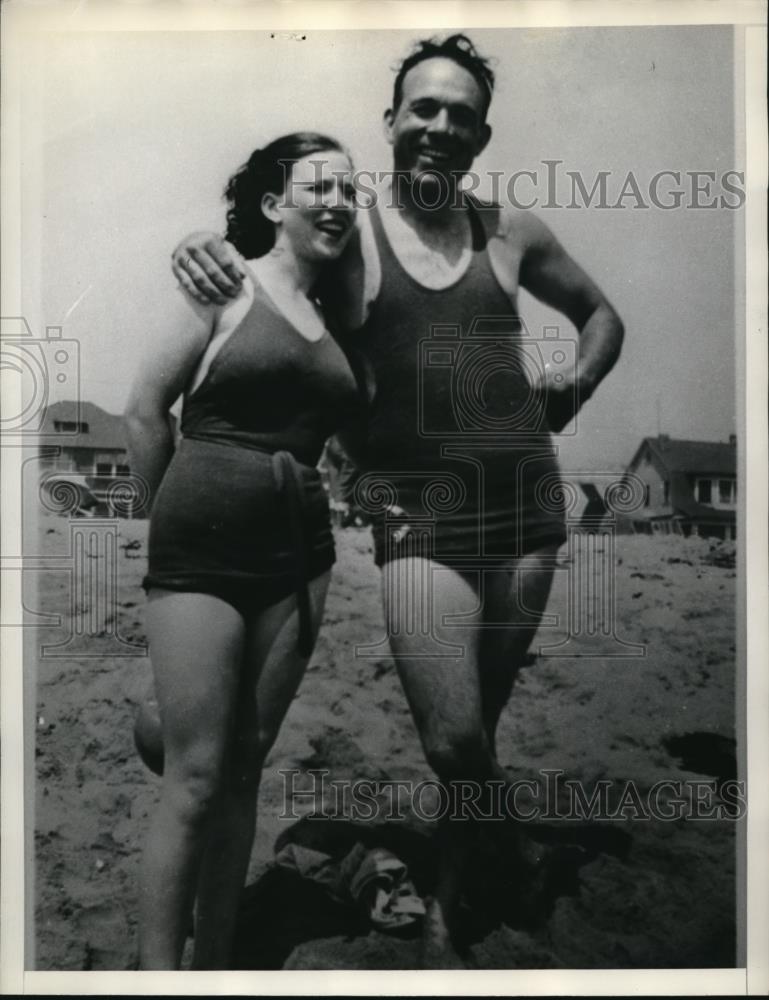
(241, 512)
(456, 438)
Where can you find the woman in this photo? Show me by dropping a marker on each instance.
(240, 546)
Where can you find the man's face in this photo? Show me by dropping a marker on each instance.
(439, 127)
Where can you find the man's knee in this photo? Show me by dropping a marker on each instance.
(457, 754)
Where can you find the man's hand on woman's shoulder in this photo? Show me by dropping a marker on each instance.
(208, 267)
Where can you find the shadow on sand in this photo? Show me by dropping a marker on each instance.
(515, 878)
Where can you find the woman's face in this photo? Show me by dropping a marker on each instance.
(316, 213)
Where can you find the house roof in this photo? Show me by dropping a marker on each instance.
(718, 458)
(106, 431)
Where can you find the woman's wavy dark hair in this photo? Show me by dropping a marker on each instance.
(268, 169)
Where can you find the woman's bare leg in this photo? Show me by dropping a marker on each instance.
(196, 642)
(273, 671)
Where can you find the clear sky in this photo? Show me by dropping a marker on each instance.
(130, 138)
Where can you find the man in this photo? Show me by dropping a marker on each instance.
(433, 268)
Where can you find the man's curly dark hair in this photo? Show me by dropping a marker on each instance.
(458, 48)
(267, 170)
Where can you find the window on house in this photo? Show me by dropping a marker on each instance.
(666, 492)
(704, 491)
(726, 491)
(647, 494)
(70, 427)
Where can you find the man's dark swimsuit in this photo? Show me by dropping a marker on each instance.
(241, 512)
(455, 438)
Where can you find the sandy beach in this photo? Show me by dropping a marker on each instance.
(618, 891)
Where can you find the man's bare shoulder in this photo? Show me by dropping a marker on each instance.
(518, 228)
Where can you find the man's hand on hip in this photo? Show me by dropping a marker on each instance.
(563, 394)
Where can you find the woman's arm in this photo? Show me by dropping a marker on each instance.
(161, 378)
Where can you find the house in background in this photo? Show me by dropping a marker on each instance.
(690, 487)
(82, 456)
(82, 438)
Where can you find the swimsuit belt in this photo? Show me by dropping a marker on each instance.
(288, 480)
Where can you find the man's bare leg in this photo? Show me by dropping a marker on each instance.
(456, 700)
(444, 693)
(517, 595)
